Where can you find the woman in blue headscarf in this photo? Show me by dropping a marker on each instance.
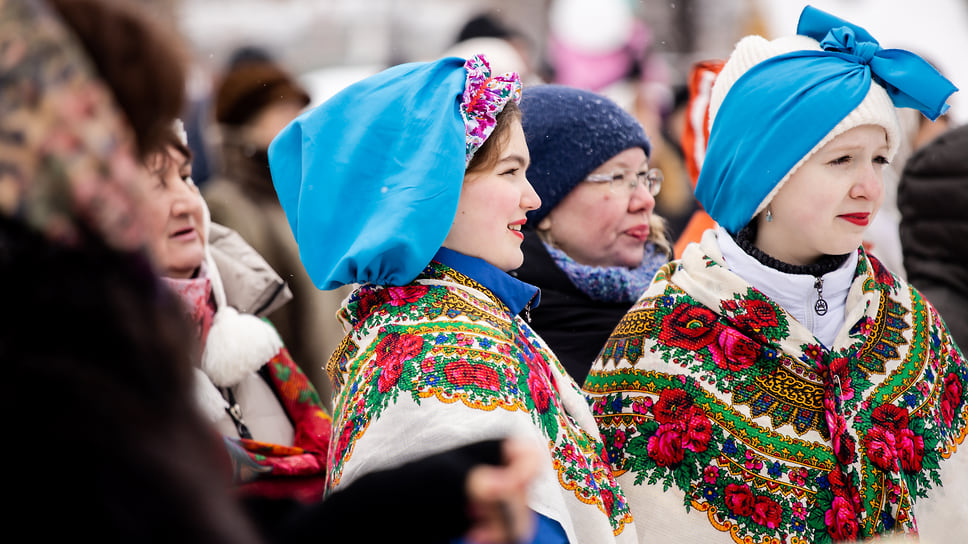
(412, 184)
(777, 383)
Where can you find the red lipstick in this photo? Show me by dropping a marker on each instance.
(860, 219)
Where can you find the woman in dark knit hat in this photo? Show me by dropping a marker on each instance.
(594, 244)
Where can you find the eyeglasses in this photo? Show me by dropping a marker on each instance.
(625, 181)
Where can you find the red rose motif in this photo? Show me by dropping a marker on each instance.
(910, 450)
(389, 375)
(689, 327)
(608, 499)
(407, 294)
(841, 442)
(344, 438)
(699, 430)
(840, 520)
(952, 388)
(739, 499)
(539, 392)
(759, 314)
(950, 397)
(665, 446)
(947, 411)
(733, 351)
(881, 446)
(838, 367)
(767, 512)
(391, 353)
(462, 373)
(841, 486)
(620, 439)
(892, 418)
(367, 300)
(673, 406)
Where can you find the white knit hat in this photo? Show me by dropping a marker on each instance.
(876, 108)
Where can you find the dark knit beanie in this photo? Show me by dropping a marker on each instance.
(251, 86)
(571, 132)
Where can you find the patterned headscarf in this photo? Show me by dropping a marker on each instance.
(484, 97)
(370, 179)
(67, 160)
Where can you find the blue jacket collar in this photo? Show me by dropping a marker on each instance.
(514, 293)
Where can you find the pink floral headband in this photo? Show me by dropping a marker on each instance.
(484, 97)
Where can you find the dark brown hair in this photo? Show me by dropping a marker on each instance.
(489, 153)
(142, 62)
(156, 158)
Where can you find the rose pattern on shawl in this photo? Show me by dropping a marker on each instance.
(891, 445)
(689, 327)
(841, 520)
(910, 450)
(407, 294)
(767, 512)
(457, 348)
(540, 392)
(841, 442)
(739, 499)
(672, 406)
(894, 373)
(665, 446)
(462, 373)
(392, 352)
(838, 508)
(682, 426)
(951, 397)
(733, 351)
(759, 315)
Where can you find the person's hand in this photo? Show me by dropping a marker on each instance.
(498, 496)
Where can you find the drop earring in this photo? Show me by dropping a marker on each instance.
(769, 214)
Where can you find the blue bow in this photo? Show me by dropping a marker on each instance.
(778, 111)
(909, 80)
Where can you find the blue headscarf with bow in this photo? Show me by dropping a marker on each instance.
(781, 108)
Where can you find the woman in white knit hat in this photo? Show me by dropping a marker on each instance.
(777, 383)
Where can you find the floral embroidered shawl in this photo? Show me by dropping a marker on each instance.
(440, 363)
(292, 471)
(726, 420)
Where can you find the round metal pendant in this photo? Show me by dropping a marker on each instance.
(820, 307)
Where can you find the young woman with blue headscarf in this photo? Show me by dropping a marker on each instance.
(777, 383)
(412, 184)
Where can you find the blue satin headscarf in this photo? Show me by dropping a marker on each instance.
(370, 179)
(781, 108)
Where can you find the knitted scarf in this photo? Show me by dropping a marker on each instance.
(610, 283)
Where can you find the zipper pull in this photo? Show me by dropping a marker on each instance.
(527, 312)
(821, 305)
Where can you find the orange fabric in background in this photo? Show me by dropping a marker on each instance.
(694, 138)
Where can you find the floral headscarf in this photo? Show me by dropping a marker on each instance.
(484, 97)
(67, 160)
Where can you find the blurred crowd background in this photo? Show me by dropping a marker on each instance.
(341, 38)
(640, 53)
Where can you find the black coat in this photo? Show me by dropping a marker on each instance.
(573, 325)
(933, 199)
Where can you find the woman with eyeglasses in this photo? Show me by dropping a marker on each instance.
(594, 244)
